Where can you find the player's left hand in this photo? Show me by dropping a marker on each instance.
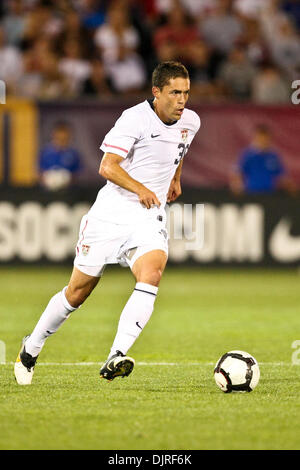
(174, 190)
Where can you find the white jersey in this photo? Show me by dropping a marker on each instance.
(152, 151)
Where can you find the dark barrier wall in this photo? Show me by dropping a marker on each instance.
(37, 226)
(26, 127)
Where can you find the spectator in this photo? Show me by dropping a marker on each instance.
(73, 29)
(202, 71)
(198, 9)
(29, 83)
(150, 10)
(250, 9)
(163, 7)
(269, 87)
(270, 20)
(199, 58)
(222, 28)
(178, 34)
(236, 74)
(14, 22)
(255, 47)
(285, 48)
(118, 42)
(41, 21)
(194, 8)
(259, 168)
(73, 66)
(129, 36)
(97, 84)
(59, 162)
(166, 52)
(92, 14)
(41, 47)
(10, 63)
(144, 26)
(53, 85)
(116, 33)
(72, 26)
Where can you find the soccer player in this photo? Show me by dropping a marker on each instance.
(142, 162)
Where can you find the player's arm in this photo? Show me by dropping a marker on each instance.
(111, 170)
(175, 186)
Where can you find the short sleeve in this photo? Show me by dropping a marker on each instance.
(121, 138)
(197, 123)
(193, 124)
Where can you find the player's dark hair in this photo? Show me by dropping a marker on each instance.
(163, 73)
(61, 125)
(263, 129)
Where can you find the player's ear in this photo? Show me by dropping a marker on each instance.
(156, 91)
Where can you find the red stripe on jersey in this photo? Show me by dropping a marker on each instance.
(115, 147)
(82, 233)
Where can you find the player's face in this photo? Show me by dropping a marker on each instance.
(61, 137)
(262, 140)
(169, 102)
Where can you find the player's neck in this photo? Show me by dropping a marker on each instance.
(160, 114)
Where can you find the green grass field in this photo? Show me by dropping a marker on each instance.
(198, 316)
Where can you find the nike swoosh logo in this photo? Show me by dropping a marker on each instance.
(153, 136)
(283, 246)
(137, 324)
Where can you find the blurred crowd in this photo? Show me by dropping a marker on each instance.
(242, 50)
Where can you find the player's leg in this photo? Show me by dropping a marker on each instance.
(147, 269)
(58, 310)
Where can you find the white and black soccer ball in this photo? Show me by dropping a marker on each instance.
(237, 371)
(56, 179)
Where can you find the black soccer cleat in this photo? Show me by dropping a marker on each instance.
(24, 365)
(117, 365)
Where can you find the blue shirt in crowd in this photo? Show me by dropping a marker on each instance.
(260, 169)
(52, 158)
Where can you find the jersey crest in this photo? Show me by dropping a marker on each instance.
(184, 135)
(85, 249)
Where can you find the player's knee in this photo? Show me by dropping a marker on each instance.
(77, 296)
(152, 277)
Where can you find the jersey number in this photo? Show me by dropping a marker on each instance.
(183, 150)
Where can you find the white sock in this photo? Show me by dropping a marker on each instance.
(56, 312)
(134, 316)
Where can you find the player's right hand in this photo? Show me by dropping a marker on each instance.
(148, 198)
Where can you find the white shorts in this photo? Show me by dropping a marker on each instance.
(101, 243)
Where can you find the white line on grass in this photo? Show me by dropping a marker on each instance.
(71, 364)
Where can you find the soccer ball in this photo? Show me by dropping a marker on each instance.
(236, 371)
(56, 179)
